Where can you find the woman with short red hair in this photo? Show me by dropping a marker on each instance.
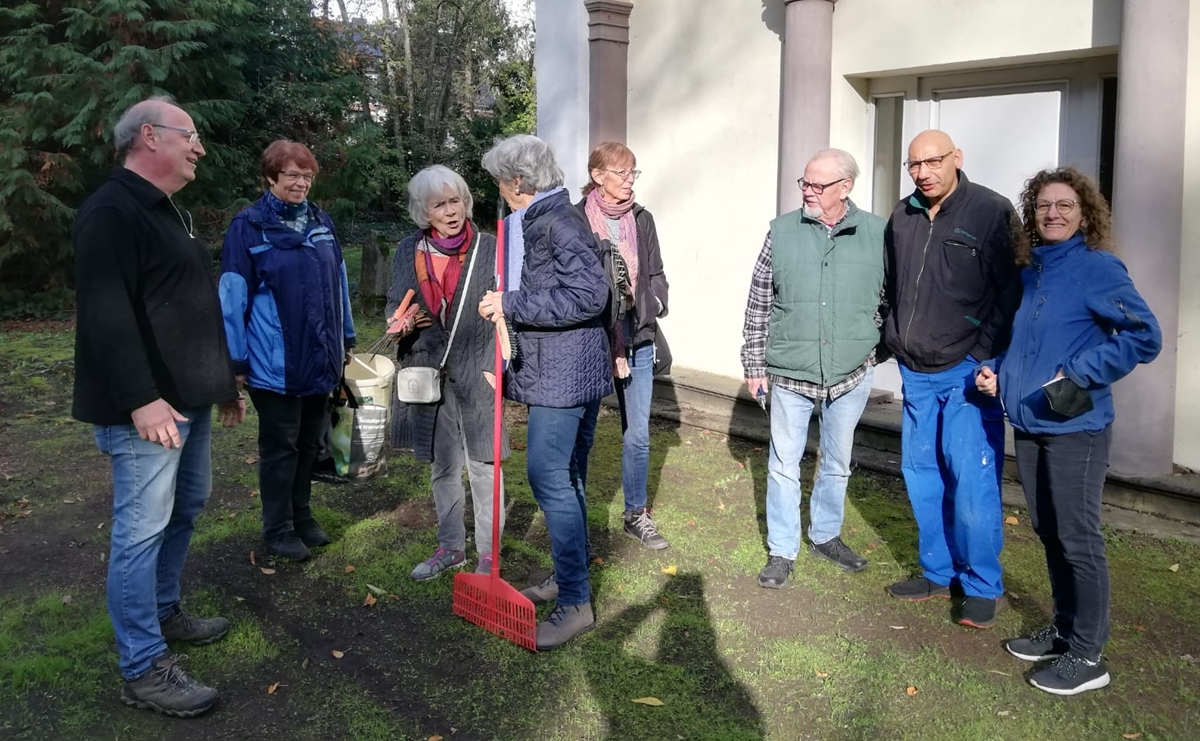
(286, 303)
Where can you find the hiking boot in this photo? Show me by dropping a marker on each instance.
(441, 560)
(180, 626)
(542, 593)
(485, 564)
(977, 612)
(1045, 643)
(289, 547)
(564, 623)
(918, 589)
(776, 573)
(641, 528)
(838, 552)
(312, 534)
(166, 688)
(1070, 674)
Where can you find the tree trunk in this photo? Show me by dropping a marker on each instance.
(390, 69)
(402, 15)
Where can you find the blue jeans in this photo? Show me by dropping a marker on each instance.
(790, 415)
(634, 394)
(554, 435)
(157, 495)
(952, 456)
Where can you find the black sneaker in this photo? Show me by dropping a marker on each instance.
(776, 573)
(977, 612)
(1070, 674)
(840, 553)
(180, 626)
(641, 528)
(918, 589)
(166, 688)
(312, 535)
(289, 547)
(1041, 644)
(564, 623)
(540, 594)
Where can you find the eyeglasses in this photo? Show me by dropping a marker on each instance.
(817, 188)
(1064, 207)
(626, 174)
(193, 135)
(292, 177)
(933, 163)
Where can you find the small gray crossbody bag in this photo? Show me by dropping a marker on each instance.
(422, 384)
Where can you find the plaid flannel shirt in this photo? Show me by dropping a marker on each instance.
(759, 305)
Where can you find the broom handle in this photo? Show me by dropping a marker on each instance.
(498, 410)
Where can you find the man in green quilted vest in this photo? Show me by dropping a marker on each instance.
(812, 333)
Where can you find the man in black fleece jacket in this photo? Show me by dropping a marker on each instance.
(952, 289)
(150, 363)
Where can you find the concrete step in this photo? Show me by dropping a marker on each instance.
(722, 404)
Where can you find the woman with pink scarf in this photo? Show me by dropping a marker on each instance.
(639, 352)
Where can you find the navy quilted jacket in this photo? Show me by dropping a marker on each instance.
(562, 348)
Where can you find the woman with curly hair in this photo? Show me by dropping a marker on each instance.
(1081, 327)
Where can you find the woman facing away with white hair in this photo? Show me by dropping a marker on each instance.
(448, 265)
(555, 292)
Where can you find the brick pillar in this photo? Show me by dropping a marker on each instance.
(608, 70)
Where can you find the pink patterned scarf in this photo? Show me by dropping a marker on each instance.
(598, 210)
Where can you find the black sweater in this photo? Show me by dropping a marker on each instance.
(148, 319)
(952, 283)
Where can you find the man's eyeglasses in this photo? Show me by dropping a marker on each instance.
(1064, 207)
(626, 174)
(817, 188)
(933, 163)
(193, 136)
(292, 177)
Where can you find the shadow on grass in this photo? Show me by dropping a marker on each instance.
(682, 668)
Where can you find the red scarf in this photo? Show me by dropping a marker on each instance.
(440, 294)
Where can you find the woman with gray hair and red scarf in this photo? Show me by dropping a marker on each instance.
(638, 351)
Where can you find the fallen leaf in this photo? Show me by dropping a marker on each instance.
(66, 600)
(252, 459)
(1011, 521)
(690, 523)
(272, 688)
(435, 738)
(1190, 659)
(1140, 628)
(349, 568)
(997, 671)
(370, 600)
(266, 571)
(654, 701)
(337, 654)
(896, 627)
(253, 493)
(1131, 735)
(68, 501)
(741, 465)
(304, 664)
(1173, 567)
(252, 561)
(22, 502)
(240, 599)
(910, 690)
(721, 506)
(100, 526)
(671, 570)
(820, 674)
(597, 560)
(1003, 713)
(377, 590)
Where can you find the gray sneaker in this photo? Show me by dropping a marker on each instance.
(640, 527)
(441, 560)
(181, 626)
(166, 688)
(564, 623)
(542, 593)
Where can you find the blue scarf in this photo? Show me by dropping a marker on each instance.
(293, 215)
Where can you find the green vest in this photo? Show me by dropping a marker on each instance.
(827, 287)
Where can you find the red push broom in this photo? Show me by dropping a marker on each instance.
(485, 599)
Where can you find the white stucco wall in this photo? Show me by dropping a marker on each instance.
(561, 68)
(1187, 401)
(703, 122)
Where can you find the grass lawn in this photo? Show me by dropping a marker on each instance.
(831, 657)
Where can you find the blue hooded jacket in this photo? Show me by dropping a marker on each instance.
(286, 301)
(1080, 313)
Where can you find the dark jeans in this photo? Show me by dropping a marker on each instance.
(288, 430)
(1063, 477)
(554, 435)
